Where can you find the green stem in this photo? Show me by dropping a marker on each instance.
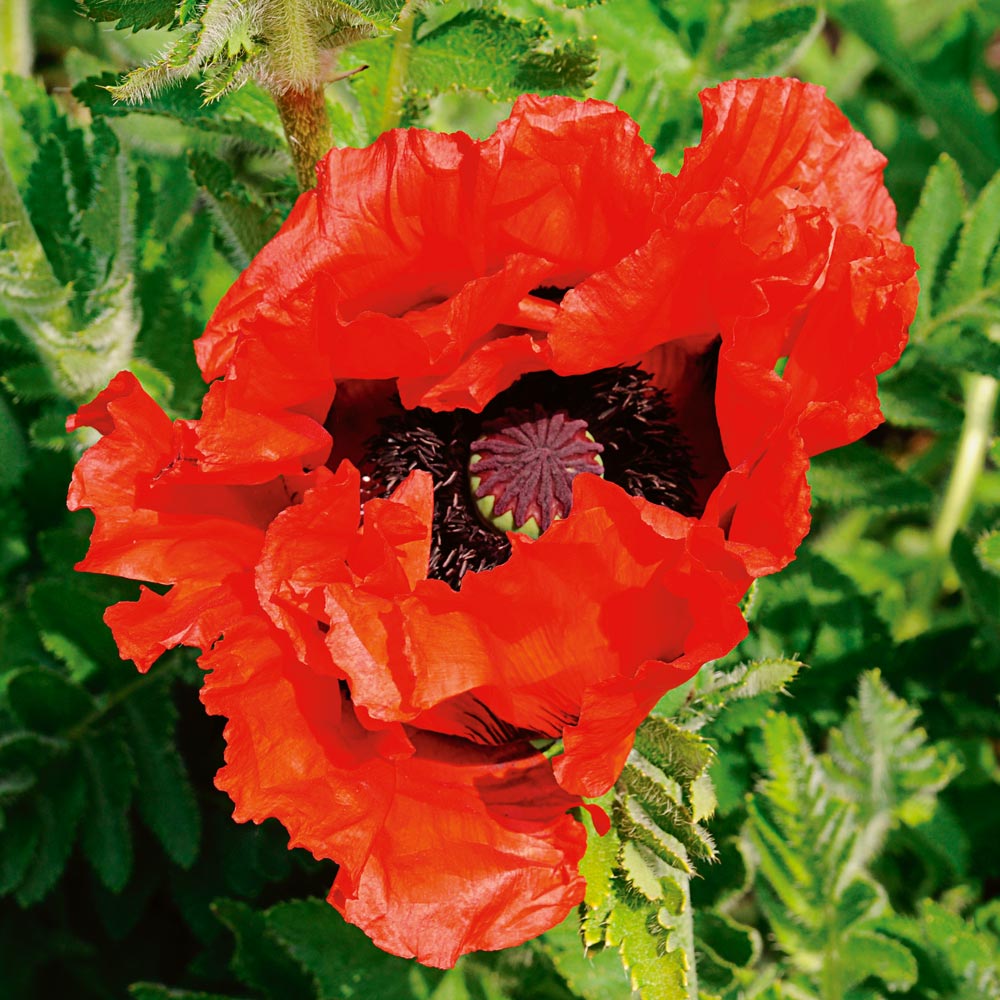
(17, 50)
(307, 129)
(685, 934)
(981, 401)
(399, 68)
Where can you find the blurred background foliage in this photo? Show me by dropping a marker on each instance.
(824, 801)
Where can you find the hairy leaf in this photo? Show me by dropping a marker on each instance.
(859, 476)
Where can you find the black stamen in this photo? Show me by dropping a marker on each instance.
(644, 453)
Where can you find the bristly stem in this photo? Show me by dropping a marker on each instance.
(17, 50)
(399, 67)
(307, 129)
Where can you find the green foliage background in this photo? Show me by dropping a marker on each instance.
(814, 817)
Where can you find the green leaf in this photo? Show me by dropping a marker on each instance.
(950, 950)
(594, 974)
(57, 815)
(963, 347)
(982, 587)
(976, 246)
(680, 754)
(136, 14)
(242, 220)
(259, 960)
(726, 951)
(770, 43)
(934, 223)
(106, 837)
(761, 677)
(46, 701)
(157, 991)
(248, 114)
(638, 896)
(656, 972)
(341, 959)
(861, 477)
(949, 101)
(164, 794)
(29, 382)
(474, 48)
(988, 550)
(13, 453)
(19, 837)
(921, 396)
(880, 759)
(868, 953)
(66, 610)
(566, 69)
(802, 835)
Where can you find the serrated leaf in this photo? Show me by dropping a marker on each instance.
(947, 99)
(157, 991)
(763, 677)
(106, 836)
(982, 587)
(703, 798)
(861, 477)
(771, 42)
(341, 959)
(881, 760)
(164, 794)
(934, 223)
(48, 432)
(24, 749)
(726, 950)
(868, 953)
(963, 347)
(18, 843)
(656, 802)
(976, 245)
(802, 835)
(680, 754)
(134, 14)
(13, 452)
(472, 48)
(923, 396)
(260, 960)
(248, 113)
(69, 607)
(594, 973)
(58, 811)
(656, 974)
(29, 382)
(566, 69)
(949, 948)
(242, 220)
(988, 550)
(863, 899)
(45, 701)
(635, 827)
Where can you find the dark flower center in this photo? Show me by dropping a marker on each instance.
(521, 472)
(641, 450)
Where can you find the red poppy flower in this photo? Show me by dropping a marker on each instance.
(493, 444)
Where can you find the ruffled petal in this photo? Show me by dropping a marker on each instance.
(185, 616)
(855, 329)
(780, 135)
(444, 847)
(143, 528)
(477, 852)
